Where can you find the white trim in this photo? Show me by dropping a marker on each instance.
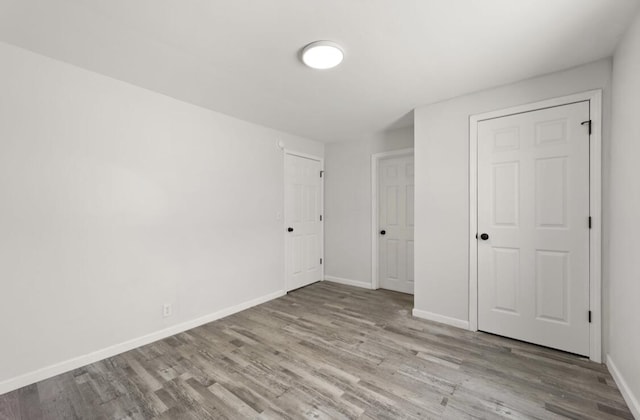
(533, 106)
(349, 282)
(77, 362)
(595, 204)
(454, 322)
(631, 400)
(595, 234)
(375, 159)
(473, 224)
(303, 155)
(284, 203)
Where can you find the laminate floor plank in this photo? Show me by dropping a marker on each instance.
(327, 351)
(10, 406)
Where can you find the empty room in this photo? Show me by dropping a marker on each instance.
(305, 209)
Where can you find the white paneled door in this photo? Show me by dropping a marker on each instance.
(395, 214)
(303, 205)
(533, 227)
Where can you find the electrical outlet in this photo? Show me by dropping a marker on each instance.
(167, 310)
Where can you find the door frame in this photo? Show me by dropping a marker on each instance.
(375, 163)
(284, 209)
(594, 97)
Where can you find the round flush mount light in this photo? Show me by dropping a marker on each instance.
(322, 55)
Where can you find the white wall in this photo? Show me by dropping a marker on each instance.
(348, 204)
(116, 200)
(624, 210)
(442, 181)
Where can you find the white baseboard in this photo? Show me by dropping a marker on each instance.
(630, 399)
(454, 322)
(76, 362)
(349, 282)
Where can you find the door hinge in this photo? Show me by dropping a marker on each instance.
(321, 218)
(589, 222)
(589, 317)
(321, 174)
(320, 260)
(588, 122)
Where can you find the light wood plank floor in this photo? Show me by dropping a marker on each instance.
(327, 351)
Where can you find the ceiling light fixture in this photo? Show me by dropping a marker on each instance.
(322, 55)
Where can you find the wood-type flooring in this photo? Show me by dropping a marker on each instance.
(327, 351)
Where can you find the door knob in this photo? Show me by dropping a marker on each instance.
(484, 236)
(383, 232)
(290, 229)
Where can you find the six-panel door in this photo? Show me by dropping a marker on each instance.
(302, 217)
(533, 203)
(395, 214)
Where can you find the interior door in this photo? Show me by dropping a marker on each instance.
(395, 214)
(302, 221)
(533, 225)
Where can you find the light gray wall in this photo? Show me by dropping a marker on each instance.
(116, 200)
(624, 211)
(348, 203)
(442, 180)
